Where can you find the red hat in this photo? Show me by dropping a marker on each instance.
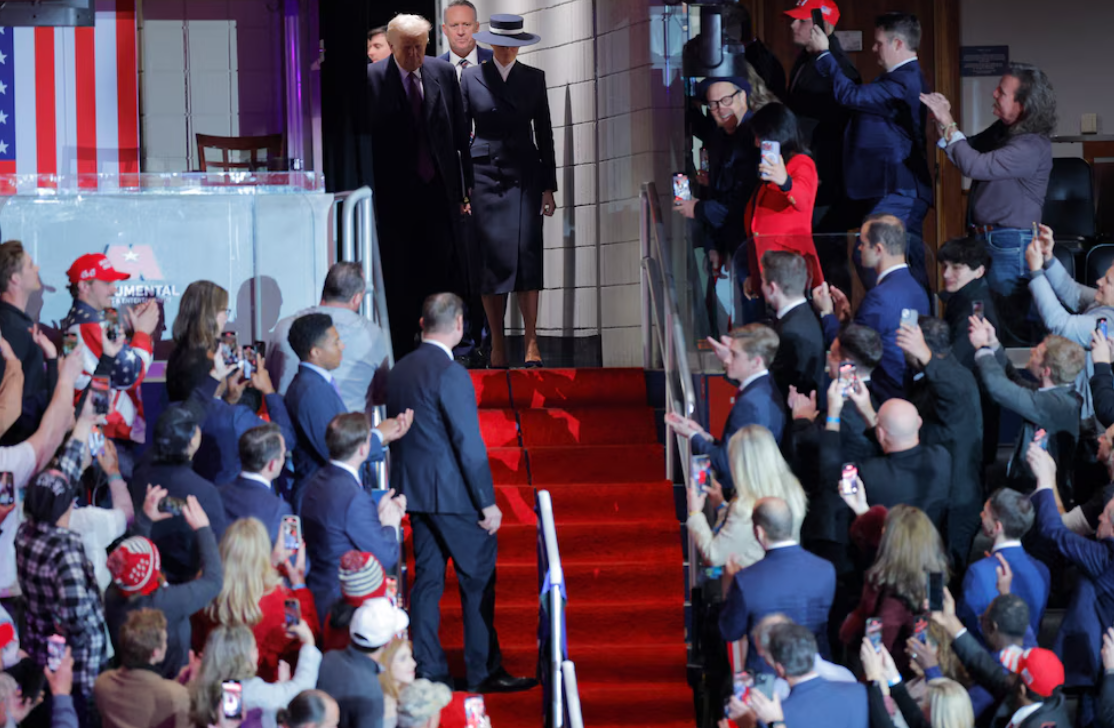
(135, 566)
(361, 577)
(1040, 669)
(94, 267)
(804, 9)
(7, 634)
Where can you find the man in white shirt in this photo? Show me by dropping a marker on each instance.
(800, 354)
(460, 24)
(362, 373)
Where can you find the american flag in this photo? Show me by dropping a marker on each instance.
(68, 96)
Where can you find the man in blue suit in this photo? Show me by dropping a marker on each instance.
(885, 166)
(1006, 518)
(338, 515)
(1091, 607)
(745, 354)
(207, 379)
(813, 701)
(788, 580)
(882, 244)
(251, 494)
(441, 468)
(460, 24)
(313, 399)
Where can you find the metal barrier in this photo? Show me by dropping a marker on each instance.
(561, 671)
(659, 300)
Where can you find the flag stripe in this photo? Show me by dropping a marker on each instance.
(26, 133)
(47, 152)
(108, 139)
(85, 60)
(126, 86)
(65, 94)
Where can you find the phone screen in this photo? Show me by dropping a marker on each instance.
(935, 591)
(7, 489)
(701, 471)
(475, 712)
(69, 343)
(99, 392)
(847, 484)
(1103, 329)
(1040, 437)
(55, 651)
(874, 633)
(111, 324)
(846, 377)
(920, 628)
(293, 612)
(260, 348)
(171, 505)
(681, 190)
(231, 699)
(978, 308)
(291, 533)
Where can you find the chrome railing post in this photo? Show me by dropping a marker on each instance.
(556, 609)
(645, 231)
(348, 221)
(572, 694)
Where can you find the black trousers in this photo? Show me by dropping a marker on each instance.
(439, 537)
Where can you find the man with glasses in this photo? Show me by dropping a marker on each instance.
(460, 23)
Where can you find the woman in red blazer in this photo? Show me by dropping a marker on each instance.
(779, 214)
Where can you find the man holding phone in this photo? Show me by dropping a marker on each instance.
(93, 286)
(252, 494)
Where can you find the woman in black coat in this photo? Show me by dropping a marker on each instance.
(516, 175)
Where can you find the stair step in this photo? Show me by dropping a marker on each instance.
(654, 541)
(578, 388)
(652, 500)
(597, 663)
(492, 388)
(588, 426)
(499, 427)
(662, 705)
(518, 583)
(659, 622)
(596, 464)
(508, 465)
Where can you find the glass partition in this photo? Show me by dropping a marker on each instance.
(262, 236)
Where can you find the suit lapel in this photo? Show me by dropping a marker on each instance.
(494, 82)
(432, 92)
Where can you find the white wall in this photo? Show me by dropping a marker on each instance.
(1068, 39)
(206, 67)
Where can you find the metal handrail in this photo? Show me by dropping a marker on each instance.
(558, 665)
(659, 296)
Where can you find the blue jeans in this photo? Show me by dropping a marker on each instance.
(1007, 259)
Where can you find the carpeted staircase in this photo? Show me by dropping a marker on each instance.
(587, 436)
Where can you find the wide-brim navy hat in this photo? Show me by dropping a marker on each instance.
(506, 31)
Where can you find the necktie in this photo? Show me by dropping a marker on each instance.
(464, 63)
(425, 162)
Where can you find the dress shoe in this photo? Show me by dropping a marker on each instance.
(534, 364)
(503, 682)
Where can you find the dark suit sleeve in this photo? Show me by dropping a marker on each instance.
(462, 421)
(914, 716)
(543, 137)
(362, 526)
(874, 98)
(1105, 714)
(462, 132)
(876, 706)
(314, 417)
(733, 617)
(276, 409)
(191, 596)
(1102, 392)
(981, 666)
(214, 509)
(1092, 557)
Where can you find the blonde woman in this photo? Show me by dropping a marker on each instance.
(759, 471)
(948, 704)
(254, 596)
(398, 665)
(232, 654)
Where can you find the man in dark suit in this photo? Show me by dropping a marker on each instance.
(800, 356)
(460, 23)
(1045, 402)
(338, 515)
(251, 494)
(907, 472)
(788, 580)
(885, 167)
(1006, 517)
(746, 355)
(313, 399)
(882, 244)
(823, 122)
(947, 396)
(421, 173)
(441, 468)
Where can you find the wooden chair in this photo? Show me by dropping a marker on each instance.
(249, 148)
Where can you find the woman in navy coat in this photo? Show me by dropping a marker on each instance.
(516, 176)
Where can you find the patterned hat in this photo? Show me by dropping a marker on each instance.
(135, 566)
(361, 577)
(1040, 669)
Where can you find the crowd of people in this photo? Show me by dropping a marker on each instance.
(232, 562)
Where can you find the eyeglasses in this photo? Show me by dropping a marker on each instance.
(725, 101)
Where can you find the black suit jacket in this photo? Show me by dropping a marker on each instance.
(822, 120)
(920, 476)
(399, 192)
(441, 464)
(800, 359)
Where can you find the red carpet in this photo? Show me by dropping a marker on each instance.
(588, 437)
